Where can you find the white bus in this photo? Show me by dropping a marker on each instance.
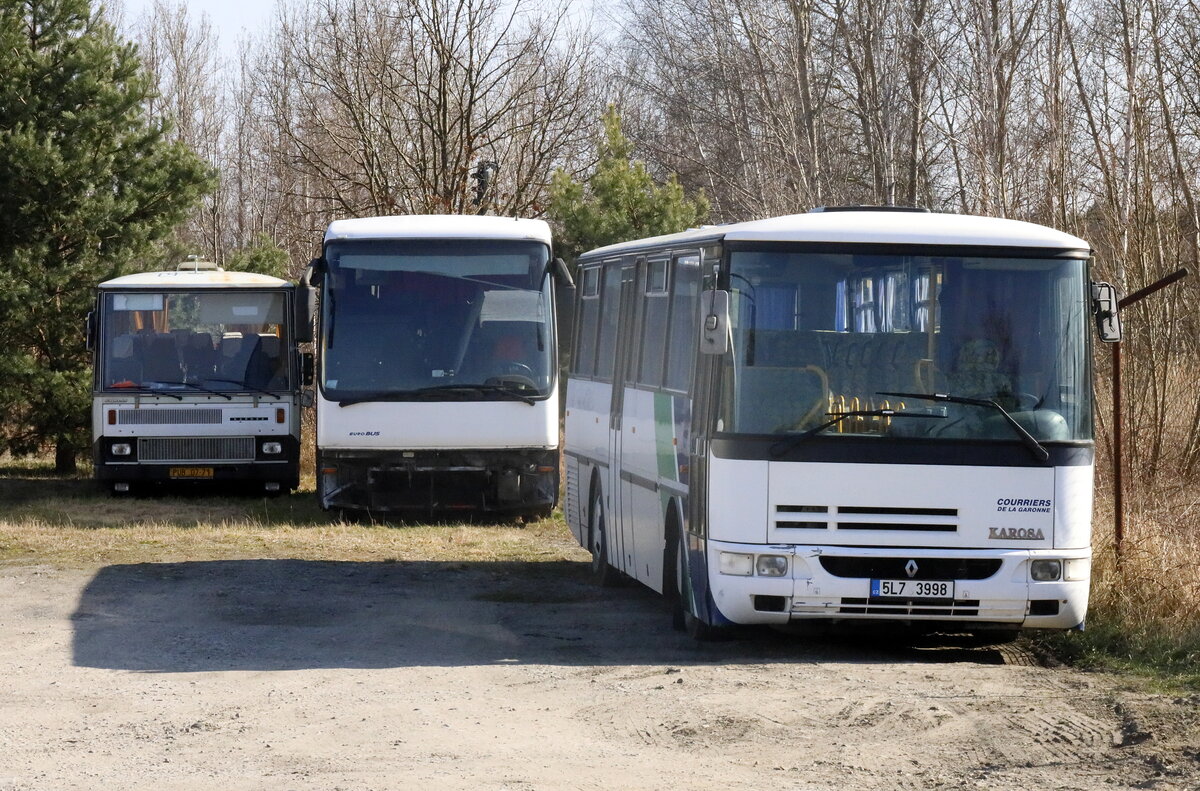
(197, 379)
(844, 415)
(438, 366)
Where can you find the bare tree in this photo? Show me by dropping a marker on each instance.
(391, 107)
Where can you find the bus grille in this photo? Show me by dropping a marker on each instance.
(856, 517)
(927, 568)
(962, 607)
(160, 417)
(172, 449)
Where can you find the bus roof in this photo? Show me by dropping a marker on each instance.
(439, 226)
(192, 279)
(871, 227)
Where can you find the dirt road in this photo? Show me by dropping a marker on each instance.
(287, 674)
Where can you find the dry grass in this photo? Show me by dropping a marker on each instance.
(68, 523)
(1145, 611)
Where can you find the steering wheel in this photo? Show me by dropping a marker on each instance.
(1026, 402)
(515, 379)
(520, 369)
(1020, 400)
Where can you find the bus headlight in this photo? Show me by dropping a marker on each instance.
(1045, 570)
(737, 563)
(771, 565)
(272, 448)
(121, 449)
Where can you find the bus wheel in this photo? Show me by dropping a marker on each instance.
(602, 572)
(682, 617)
(677, 589)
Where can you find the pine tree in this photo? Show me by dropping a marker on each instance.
(620, 201)
(87, 182)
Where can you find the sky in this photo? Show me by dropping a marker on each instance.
(231, 19)
(235, 19)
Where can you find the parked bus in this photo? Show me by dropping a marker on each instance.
(438, 366)
(843, 415)
(197, 379)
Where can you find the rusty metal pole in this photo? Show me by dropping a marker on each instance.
(1118, 429)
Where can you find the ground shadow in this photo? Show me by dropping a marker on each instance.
(297, 614)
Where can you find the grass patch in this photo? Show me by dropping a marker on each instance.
(69, 523)
(1144, 614)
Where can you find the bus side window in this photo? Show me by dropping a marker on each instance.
(681, 341)
(654, 323)
(584, 359)
(610, 308)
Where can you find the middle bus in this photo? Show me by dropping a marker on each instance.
(438, 371)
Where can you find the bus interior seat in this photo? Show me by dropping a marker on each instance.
(199, 356)
(265, 367)
(234, 358)
(160, 355)
(123, 364)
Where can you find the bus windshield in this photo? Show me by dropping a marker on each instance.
(222, 340)
(436, 319)
(819, 334)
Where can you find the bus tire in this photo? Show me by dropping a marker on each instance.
(601, 572)
(673, 574)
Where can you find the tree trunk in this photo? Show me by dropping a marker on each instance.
(65, 458)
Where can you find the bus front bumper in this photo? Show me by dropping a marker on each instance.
(517, 481)
(282, 468)
(835, 584)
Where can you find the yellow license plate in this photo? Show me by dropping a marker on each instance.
(191, 472)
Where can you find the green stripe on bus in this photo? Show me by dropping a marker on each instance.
(664, 436)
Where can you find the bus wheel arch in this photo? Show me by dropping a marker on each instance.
(673, 569)
(602, 572)
(682, 617)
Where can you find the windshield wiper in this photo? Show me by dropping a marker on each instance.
(145, 389)
(429, 393)
(783, 446)
(1028, 440)
(240, 383)
(226, 396)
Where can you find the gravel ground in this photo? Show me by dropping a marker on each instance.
(289, 674)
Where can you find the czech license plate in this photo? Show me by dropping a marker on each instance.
(912, 589)
(191, 472)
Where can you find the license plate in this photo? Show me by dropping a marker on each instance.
(191, 472)
(912, 589)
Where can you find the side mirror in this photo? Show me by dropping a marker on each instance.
(314, 274)
(1108, 317)
(307, 369)
(564, 314)
(714, 322)
(562, 274)
(306, 300)
(89, 330)
(306, 308)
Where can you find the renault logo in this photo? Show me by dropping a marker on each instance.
(910, 568)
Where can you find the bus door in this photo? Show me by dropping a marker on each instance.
(620, 523)
(705, 395)
(641, 503)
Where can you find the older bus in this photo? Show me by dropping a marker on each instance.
(844, 415)
(197, 379)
